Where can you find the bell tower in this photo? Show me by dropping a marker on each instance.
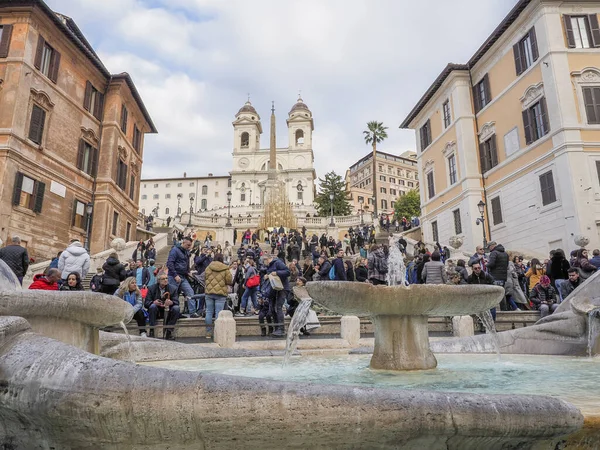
(300, 126)
(246, 130)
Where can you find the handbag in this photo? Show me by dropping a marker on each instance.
(253, 281)
(275, 282)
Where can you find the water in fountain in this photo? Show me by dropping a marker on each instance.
(593, 330)
(488, 322)
(298, 322)
(396, 275)
(129, 344)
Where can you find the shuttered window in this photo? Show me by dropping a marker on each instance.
(598, 170)
(482, 94)
(93, 101)
(430, 185)
(124, 119)
(457, 221)
(535, 121)
(121, 174)
(425, 135)
(132, 187)
(591, 98)
(28, 193)
(496, 211)
(47, 59)
(5, 35)
(36, 124)
(87, 158)
(582, 31)
(447, 114)
(137, 138)
(547, 188)
(434, 231)
(452, 169)
(488, 154)
(115, 223)
(79, 219)
(526, 52)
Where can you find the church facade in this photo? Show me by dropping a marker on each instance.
(248, 178)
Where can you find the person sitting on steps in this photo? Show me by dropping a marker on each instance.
(160, 297)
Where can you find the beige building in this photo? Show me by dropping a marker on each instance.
(71, 135)
(517, 127)
(396, 175)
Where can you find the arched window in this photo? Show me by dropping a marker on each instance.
(166, 211)
(299, 137)
(245, 140)
(204, 190)
(143, 210)
(203, 203)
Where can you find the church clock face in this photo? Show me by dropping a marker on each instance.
(244, 163)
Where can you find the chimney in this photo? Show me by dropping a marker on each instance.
(184, 174)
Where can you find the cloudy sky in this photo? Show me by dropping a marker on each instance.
(195, 61)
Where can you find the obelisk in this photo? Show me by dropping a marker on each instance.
(273, 147)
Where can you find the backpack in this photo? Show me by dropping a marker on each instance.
(381, 265)
(332, 272)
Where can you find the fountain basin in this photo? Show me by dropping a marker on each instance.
(400, 314)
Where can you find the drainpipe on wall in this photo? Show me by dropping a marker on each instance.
(487, 222)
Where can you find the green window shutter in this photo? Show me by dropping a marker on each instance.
(39, 196)
(37, 62)
(17, 188)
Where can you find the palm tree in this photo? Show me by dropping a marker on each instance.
(374, 135)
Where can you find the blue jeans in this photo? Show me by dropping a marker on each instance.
(249, 292)
(214, 305)
(199, 299)
(276, 311)
(184, 286)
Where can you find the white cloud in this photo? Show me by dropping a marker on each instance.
(194, 61)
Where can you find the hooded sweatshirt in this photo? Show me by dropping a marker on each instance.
(218, 278)
(75, 258)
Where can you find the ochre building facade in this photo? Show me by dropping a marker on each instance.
(517, 127)
(71, 136)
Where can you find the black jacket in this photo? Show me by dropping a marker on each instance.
(16, 258)
(154, 294)
(114, 272)
(362, 273)
(497, 265)
(482, 278)
(324, 270)
(558, 268)
(340, 272)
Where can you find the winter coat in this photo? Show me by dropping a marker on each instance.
(40, 282)
(133, 298)
(145, 275)
(218, 278)
(201, 263)
(283, 272)
(154, 294)
(373, 264)
(566, 288)
(482, 278)
(558, 268)
(151, 253)
(540, 294)
(340, 272)
(362, 273)
(463, 272)
(350, 276)
(512, 286)
(595, 261)
(178, 262)
(585, 268)
(324, 270)
(16, 258)
(75, 258)
(497, 265)
(95, 283)
(66, 287)
(434, 272)
(534, 278)
(114, 272)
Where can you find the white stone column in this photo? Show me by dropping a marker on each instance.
(462, 326)
(350, 329)
(224, 332)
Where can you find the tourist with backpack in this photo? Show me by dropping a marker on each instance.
(377, 265)
(339, 271)
(323, 268)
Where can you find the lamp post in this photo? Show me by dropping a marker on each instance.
(332, 224)
(481, 220)
(191, 206)
(89, 208)
(228, 224)
(360, 202)
(179, 197)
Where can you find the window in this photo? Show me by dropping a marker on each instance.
(132, 187)
(167, 196)
(124, 115)
(384, 204)
(381, 178)
(447, 115)
(168, 185)
(192, 184)
(457, 222)
(242, 197)
(452, 169)
(144, 197)
(155, 197)
(143, 210)
(299, 137)
(36, 124)
(535, 121)
(155, 185)
(203, 203)
(245, 140)
(179, 184)
(383, 190)
(425, 135)
(488, 154)
(87, 158)
(526, 52)
(496, 211)
(115, 223)
(79, 215)
(434, 231)
(121, 174)
(93, 101)
(47, 59)
(547, 188)
(393, 192)
(399, 173)
(481, 94)
(392, 180)
(137, 138)
(401, 182)
(582, 31)
(300, 195)
(591, 99)
(28, 193)
(380, 168)
(229, 182)
(411, 184)
(204, 190)
(167, 211)
(430, 185)
(128, 232)
(362, 199)
(216, 194)
(5, 34)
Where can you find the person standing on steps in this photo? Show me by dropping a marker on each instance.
(16, 257)
(497, 267)
(338, 264)
(377, 264)
(218, 278)
(178, 264)
(278, 267)
(75, 258)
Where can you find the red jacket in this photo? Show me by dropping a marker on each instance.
(41, 283)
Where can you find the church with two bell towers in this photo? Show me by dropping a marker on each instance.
(294, 164)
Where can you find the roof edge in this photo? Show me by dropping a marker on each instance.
(136, 96)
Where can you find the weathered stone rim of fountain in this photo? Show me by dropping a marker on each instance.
(88, 308)
(415, 300)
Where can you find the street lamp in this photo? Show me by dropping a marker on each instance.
(191, 206)
(332, 224)
(228, 224)
(360, 202)
(481, 220)
(89, 208)
(179, 197)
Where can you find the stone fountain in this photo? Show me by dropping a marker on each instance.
(400, 314)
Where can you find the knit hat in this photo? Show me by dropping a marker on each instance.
(545, 279)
